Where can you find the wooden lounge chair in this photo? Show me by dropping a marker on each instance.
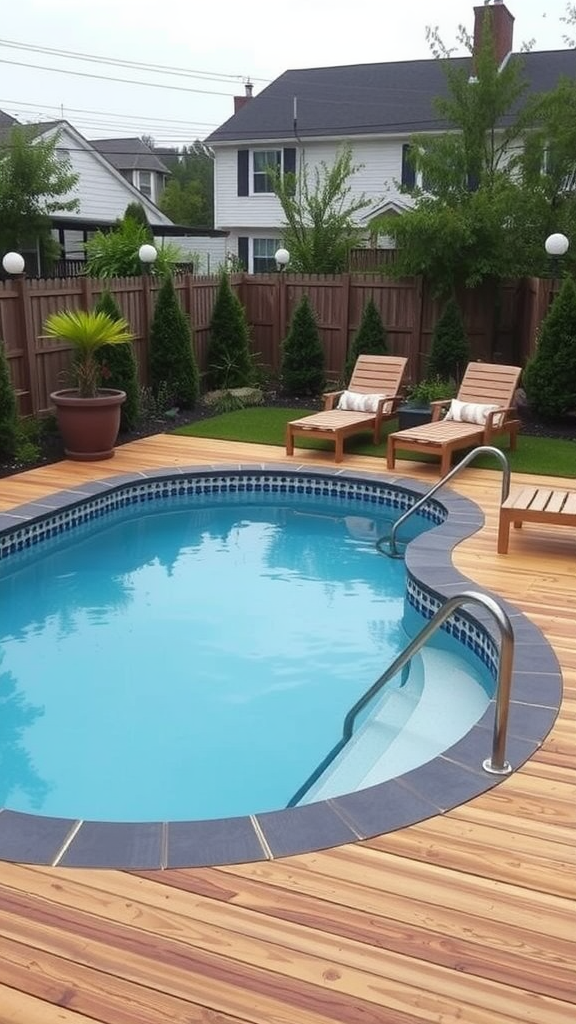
(376, 377)
(483, 384)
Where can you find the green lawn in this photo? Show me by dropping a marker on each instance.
(260, 425)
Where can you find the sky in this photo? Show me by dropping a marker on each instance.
(218, 45)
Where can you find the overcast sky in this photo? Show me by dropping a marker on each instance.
(225, 40)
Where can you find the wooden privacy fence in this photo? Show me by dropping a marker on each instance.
(501, 320)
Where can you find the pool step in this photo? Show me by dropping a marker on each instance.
(409, 726)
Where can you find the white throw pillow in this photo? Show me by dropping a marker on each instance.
(354, 401)
(472, 412)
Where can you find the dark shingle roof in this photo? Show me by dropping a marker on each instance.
(129, 155)
(6, 123)
(368, 99)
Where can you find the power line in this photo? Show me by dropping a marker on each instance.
(105, 113)
(156, 68)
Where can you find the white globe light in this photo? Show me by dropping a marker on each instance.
(147, 253)
(13, 263)
(556, 245)
(282, 257)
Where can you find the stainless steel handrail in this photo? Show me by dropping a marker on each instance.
(497, 763)
(484, 449)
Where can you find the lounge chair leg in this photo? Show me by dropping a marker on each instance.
(445, 462)
(289, 441)
(338, 448)
(513, 439)
(390, 454)
(503, 534)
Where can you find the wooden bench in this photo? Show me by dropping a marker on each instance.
(535, 505)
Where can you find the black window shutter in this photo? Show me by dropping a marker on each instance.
(408, 169)
(473, 181)
(243, 251)
(289, 161)
(243, 172)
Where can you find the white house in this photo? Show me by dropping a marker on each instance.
(305, 116)
(137, 163)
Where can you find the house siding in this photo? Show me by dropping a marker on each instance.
(101, 193)
(380, 163)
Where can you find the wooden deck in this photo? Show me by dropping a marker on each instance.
(466, 917)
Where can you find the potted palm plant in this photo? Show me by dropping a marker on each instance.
(88, 414)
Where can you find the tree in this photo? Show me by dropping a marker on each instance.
(34, 183)
(118, 363)
(302, 370)
(172, 360)
(189, 196)
(550, 376)
(8, 413)
(320, 229)
(484, 207)
(370, 338)
(450, 350)
(136, 212)
(230, 362)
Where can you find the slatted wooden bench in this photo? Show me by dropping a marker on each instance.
(535, 505)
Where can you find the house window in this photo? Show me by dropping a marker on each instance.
(408, 168)
(263, 250)
(145, 183)
(263, 160)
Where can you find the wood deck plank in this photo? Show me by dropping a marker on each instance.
(465, 917)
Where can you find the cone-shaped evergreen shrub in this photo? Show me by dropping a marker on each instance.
(550, 376)
(172, 360)
(302, 371)
(230, 362)
(370, 338)
(8, 414)
(119, 369)
(450, 350)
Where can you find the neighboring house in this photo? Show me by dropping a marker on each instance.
(305, 116)
(137, 163)
(103, 194)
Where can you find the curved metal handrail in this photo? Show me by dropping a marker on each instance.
(484, 449)
(497, 763)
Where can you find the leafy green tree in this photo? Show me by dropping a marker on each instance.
(172, 360)
(370, 338)
(450, 349)
(135, 211)
(189, 195)
(484, 207)
(118, 364)
(550, 376)
(115, 253)
(230, 362)
(320, 228)
(302, 370)
(8, 413)
(35, 182)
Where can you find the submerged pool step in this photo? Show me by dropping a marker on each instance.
(410, 725)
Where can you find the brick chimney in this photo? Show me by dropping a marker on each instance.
(500, 24)
(241, 101)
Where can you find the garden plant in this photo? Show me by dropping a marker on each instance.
(302, 370)
(172, 360)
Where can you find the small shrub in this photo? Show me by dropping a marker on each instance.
(370, 339)
(302, 371)
(118, 366)
(230, 363)
(8, 412)
(450, 350)
(550, 376)
(155, 405)
(27, 453)
(172, 359)
(431, 390)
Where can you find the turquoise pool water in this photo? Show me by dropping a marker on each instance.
(192, 662)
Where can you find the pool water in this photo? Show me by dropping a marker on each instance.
(193, 662)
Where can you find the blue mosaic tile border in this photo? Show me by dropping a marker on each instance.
(52, 524)
(474, 637)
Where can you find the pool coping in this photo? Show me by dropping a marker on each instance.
(450, 779)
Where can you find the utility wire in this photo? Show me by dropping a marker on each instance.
(32, 107)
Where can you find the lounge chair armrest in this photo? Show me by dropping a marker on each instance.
(437, 406)
(501, 411)
(330, 397)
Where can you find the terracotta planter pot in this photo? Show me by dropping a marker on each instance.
(89, 426)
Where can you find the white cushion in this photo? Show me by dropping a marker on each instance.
(354, 401)
(472, 412)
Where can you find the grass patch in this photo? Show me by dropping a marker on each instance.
(545, 456)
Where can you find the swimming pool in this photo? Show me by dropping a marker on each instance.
(187, 498)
